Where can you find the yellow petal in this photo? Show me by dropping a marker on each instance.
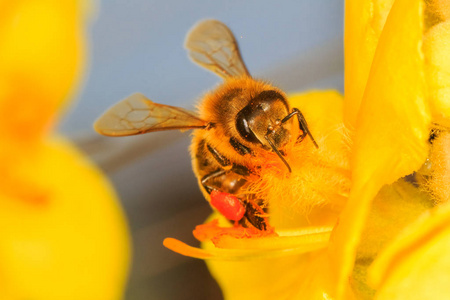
(393, 209)
(304, 276)
(268, 268)
(439, 10)
(42, 50)
(307, 238)
(392, 127)
(415, 266)
(73, 242)
(229, 246)
(436, 49)
(275, 278)
(364, 21)
(263, 248)
(438, 184)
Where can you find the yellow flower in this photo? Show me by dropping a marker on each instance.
(63, 232)
(349, 225)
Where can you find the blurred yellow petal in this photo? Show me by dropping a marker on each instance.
(436, 49)
(72, 245)
(416, 264)
(63, 232)
(42, 51)
(364, 21)
(392, 127)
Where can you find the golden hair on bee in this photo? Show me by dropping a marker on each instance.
(243, 127)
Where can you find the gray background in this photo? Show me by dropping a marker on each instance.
(137, 46)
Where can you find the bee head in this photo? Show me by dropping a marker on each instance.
(260, 123)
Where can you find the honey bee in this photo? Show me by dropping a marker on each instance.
(241, 121)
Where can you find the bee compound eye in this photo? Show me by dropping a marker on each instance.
(242, 126)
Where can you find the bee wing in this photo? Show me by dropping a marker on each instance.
(137, 114)
(212, 45)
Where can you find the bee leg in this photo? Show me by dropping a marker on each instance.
(303, 125)
(254, 215)
(209, 177)
(233, 179)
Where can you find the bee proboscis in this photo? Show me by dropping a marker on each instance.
(238, 122)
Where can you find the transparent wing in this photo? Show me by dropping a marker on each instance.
(137, 114)
(212, 45)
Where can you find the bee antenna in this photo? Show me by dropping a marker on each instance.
(278, 153)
